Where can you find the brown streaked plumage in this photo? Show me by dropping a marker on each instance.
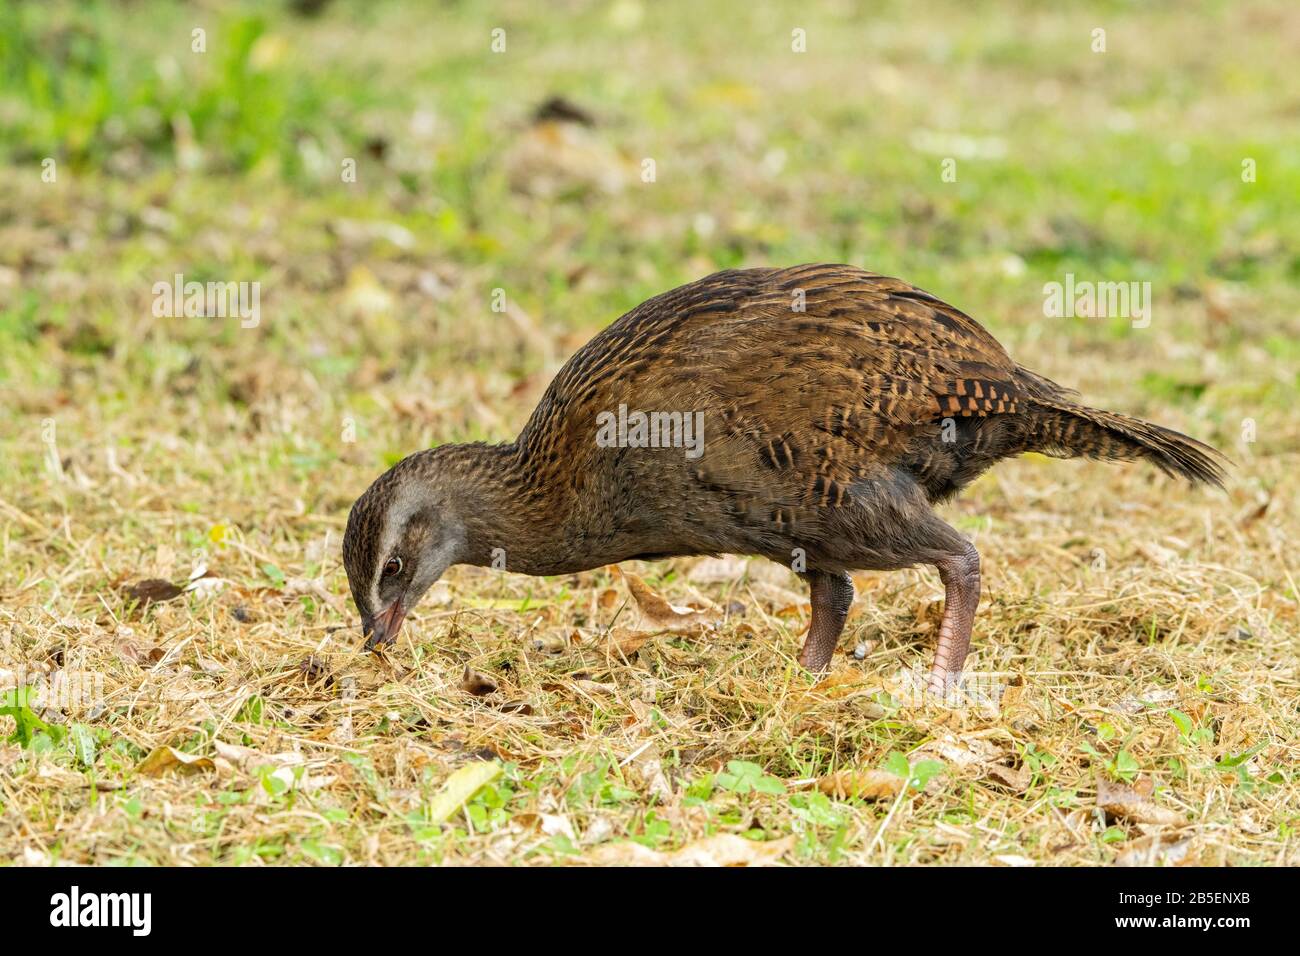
(838, 407)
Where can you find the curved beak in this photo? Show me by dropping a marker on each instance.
(382, 628)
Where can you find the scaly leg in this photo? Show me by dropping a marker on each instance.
(832, 596)
(960, 573)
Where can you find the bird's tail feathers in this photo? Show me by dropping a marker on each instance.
(1065, 429)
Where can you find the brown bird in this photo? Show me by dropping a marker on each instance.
(812, 415)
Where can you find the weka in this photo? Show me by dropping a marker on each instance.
(838, 407)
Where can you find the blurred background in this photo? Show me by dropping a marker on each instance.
(214, 139)
(441, 201)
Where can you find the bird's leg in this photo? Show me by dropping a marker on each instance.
(960, 573)
(832, 596)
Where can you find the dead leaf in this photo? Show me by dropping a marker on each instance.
(724, 849)
(649, 767)
(152, 591)
(477, 683)
(144, 656)
(314, 670)
(596, 687)
(962, 752)
(1015, 779)
(249, 758)
(865, 784)
(658, 615)
(1123, 802)
(622, 644)
(162, 759)
(516, 707)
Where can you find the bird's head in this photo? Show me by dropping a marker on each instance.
(402, 534)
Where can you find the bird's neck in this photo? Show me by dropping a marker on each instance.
(509, 521)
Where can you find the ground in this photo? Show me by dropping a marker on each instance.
(428, 251)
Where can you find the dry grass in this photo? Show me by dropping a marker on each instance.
(1130, 629)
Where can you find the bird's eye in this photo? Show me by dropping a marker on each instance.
(394, 566)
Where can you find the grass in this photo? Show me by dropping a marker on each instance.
(1132, 631)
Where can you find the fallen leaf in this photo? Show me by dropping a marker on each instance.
(1123, 802)
(162, 759)
(648, 765)
(1016, 779)
(724, 849)
(1155, 697)
(623, 644)
(865, 784)
(477, 683)
(1011, 859)
(596, 687)
(144, 656)
(457, 789)
(658, 614)
(964, 752)
(249, 758)
(152, 591)
(315, 671)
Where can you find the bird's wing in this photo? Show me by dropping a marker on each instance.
(831, 372)
(810, 380)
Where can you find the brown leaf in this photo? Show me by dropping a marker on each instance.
(1016, 779)
(152, 591)
(477, 683)
(623, 644)
(162, 759)
(516, 707)
(866, 784)
(596, 687)
(314, 670)
(658, 614)
(144, 656)
(1123, 802)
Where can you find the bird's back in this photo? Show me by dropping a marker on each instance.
(810, 381)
